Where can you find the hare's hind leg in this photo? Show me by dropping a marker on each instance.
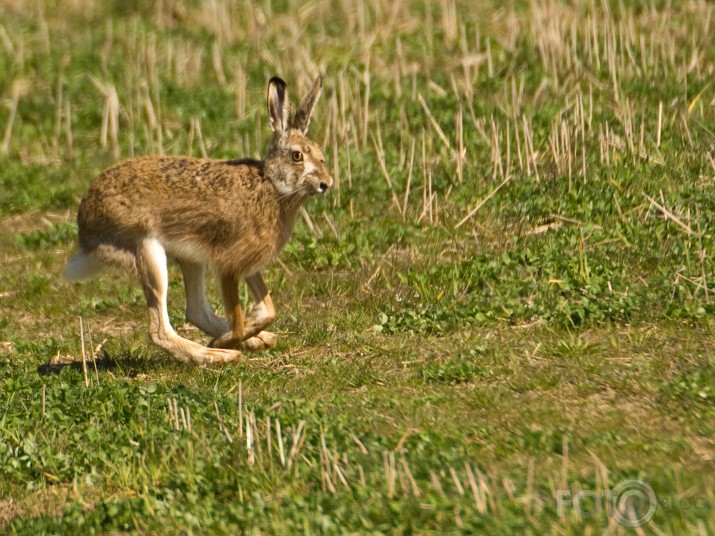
(247, 333)
(198, 311)
(153, 274)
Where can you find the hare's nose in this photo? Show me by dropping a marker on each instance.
(326, 181)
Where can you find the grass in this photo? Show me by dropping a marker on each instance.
(506, 300)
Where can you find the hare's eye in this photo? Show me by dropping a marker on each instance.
(297, 156)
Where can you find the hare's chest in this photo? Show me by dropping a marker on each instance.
(257, 240)
(253, 251)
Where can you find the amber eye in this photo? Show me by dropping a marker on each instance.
(297, 156)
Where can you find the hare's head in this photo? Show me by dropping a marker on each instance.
(295, 164)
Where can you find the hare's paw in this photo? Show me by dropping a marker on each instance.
(191, 352)
(226, 341)
(268, 338)
(265, 339)
(210, 356)
(261, 341)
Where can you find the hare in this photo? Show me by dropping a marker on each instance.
(235, 215)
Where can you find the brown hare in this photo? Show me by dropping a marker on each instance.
(235, 215)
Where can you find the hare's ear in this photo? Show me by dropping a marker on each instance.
(301, 119)
(278, 105)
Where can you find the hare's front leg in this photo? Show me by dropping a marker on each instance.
(198, 310)
(154, 277)
(262, 315)
(247, 333)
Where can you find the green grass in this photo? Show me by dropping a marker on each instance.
(435, 373)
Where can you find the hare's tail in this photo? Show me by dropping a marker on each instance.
(88, 264)
(82, 266)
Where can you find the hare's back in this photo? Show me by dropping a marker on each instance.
(173, 197)
(150, 179)
(149, 176)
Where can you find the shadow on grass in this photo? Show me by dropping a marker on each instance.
(126, 362)
(103, 363)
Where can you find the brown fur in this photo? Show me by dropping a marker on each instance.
(241, 224)
(235, 215)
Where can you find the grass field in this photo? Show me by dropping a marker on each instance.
(505, 304)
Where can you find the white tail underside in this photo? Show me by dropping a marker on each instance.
(82, 266)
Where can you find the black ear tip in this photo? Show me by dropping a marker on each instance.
(319, 81)
(276, 81)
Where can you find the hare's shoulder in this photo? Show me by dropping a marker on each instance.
(204, 174)
(250, 163)
(244, 175)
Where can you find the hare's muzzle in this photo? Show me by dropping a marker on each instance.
(326, 181)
